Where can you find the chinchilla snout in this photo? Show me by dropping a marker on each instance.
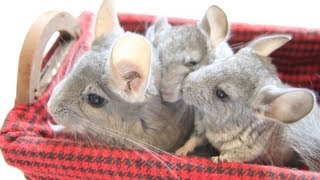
(171, 94)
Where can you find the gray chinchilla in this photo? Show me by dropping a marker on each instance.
(249, 114)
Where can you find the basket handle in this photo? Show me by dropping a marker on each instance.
(31, 55)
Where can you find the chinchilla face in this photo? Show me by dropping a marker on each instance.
(246, 84)
(185, 48)
(108, 83)
(224, 88)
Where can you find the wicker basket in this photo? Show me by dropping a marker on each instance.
(28, 143)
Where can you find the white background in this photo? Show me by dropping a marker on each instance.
(16, 16)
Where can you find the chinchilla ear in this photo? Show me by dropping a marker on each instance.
(107, 19)
(286, 104)
(161, 24)
(215, 24)
(129, 67)
(265, 45)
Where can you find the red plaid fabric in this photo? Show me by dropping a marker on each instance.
(29, 144)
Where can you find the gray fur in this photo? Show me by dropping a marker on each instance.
(304, 138)
(242, 125)
(144, 123)
(179, 45)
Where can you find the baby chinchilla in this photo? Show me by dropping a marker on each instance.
(249, 114)
(185, 48)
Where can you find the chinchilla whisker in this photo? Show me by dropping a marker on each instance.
(148, 147)
(89, 139)
(142, 146)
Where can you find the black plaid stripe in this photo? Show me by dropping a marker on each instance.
(144, 166)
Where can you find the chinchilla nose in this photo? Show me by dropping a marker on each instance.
(169, 95)
(166, 94)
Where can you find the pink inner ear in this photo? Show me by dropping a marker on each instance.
(288, 105)
(133, 80)
(130, 65)
(134, 85)
(129, 76)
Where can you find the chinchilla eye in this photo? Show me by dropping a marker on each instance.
(221, 94)
(192, 63)
(96, 100)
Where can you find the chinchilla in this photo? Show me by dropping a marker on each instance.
(185, 48)
(112, 95)
(249, 114)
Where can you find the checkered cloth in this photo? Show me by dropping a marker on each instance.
(29, 144)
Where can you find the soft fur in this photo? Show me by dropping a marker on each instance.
(123, 69)
(185, 48)
(260, 119)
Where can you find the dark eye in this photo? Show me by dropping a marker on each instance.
(221, 94)
(192, 63)
(96, 100)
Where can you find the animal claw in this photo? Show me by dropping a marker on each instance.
(218, 159)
